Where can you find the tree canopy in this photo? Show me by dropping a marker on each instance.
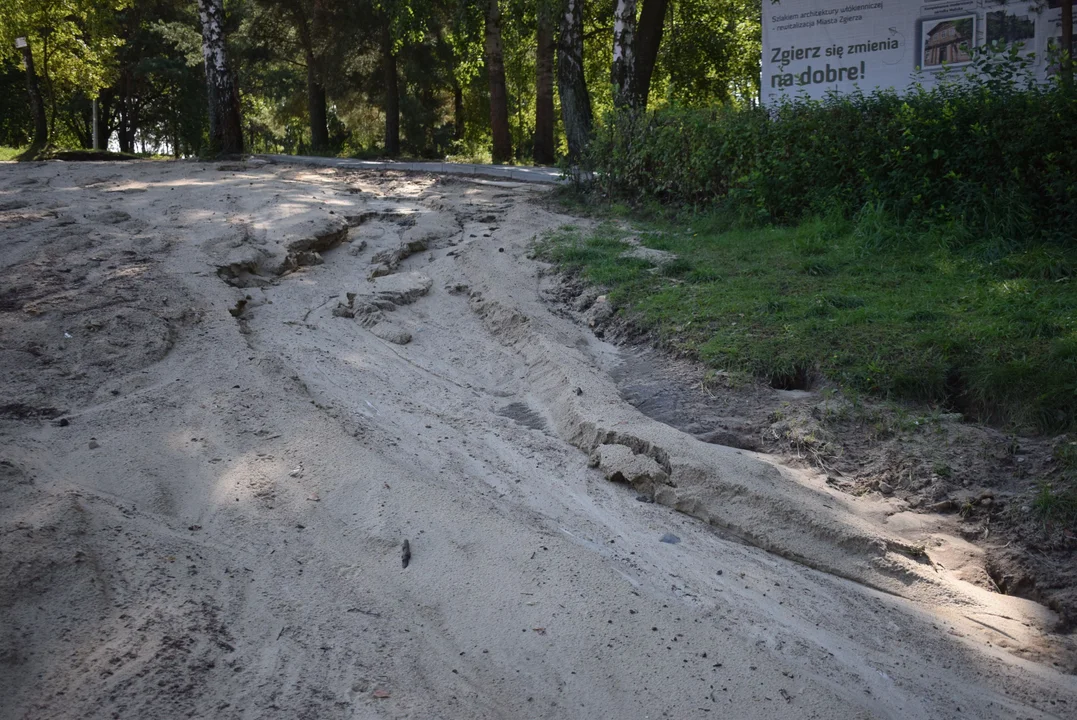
(426, 78)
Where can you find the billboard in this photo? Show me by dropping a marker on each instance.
(816, 46)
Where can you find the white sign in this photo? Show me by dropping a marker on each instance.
(818, 46)
(20, 42)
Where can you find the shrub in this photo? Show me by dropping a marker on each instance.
(985, 155)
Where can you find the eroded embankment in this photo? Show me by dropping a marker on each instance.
(747, 495)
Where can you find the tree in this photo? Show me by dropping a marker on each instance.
(544, 116)
(624, 33)
(225, 126)
(495, 69)
(308, 18)
(16, 120)
(404, 23)
(37, 105)
(571, 83)
(713, 54)
(392, 92)
(73, 47)
(647, 41)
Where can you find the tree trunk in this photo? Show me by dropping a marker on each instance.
(571, 83)
(225, 125)
(392, 93)
(316, 107)
(124, 133)
(50, 94)
(308, 30)
(624, 33)
(81, 125)
(1067, 43)
(458, 111)
(544, 119)
(495, 70)
(648, 38)
(37, 104)
(104, 113)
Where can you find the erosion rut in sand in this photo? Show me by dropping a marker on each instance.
(231, 394)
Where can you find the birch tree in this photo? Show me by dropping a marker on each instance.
(225, 130)
(571, 83)
(624, 34)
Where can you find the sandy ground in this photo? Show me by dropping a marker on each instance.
(230, 393)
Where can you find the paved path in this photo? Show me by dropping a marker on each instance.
(503, 172)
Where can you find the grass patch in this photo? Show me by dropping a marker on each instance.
(1055, 507)
(1055, 501)
(970, 328)
(10, 153)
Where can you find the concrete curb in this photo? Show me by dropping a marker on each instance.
(501, 172)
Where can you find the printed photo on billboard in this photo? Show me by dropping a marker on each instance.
(1006, 29)
(947, 41)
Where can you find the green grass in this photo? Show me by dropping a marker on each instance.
(978, 329)
(1056, 507)
(10, 153)
(1055, 502)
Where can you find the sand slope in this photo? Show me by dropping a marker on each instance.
(229, 393)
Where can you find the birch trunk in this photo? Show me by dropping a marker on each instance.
(624, 35)
(225, 126)
(571, 83)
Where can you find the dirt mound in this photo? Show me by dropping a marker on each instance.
(213, 526)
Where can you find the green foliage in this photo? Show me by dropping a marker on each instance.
(1055, 507)
(74, 46)
(985, 155)
(711, 53)
(73, 40)
(143, 61)
(15, 121)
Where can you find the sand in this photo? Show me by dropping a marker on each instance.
(231, 392)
